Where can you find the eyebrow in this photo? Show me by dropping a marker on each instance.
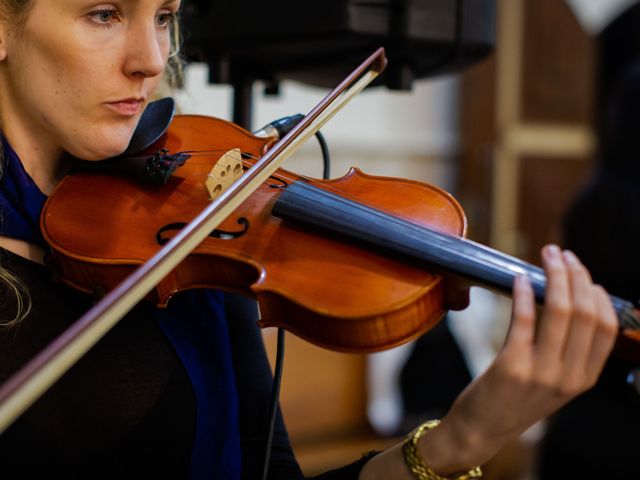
(169, 2)
(164, 4)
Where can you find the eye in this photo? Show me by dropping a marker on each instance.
(104, 17)
(164, 20)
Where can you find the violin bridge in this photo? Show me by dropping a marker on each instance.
(226, 171)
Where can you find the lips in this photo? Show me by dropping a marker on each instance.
(127, 107)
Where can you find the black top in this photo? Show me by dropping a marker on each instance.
(127, 408)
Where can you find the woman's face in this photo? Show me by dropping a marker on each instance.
(76, 76)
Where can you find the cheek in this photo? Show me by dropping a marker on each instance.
(70, 95)
(51, 89)
(72, 81)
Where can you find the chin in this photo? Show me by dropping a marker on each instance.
(96, 153)
(104, 146)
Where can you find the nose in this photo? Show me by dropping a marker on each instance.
(147, 50)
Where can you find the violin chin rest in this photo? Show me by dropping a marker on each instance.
(153, 123)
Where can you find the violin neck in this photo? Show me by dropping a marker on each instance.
(487, 267)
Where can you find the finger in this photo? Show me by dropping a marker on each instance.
(554, 320)
(605, 334)
(584, 316)
(522, 329)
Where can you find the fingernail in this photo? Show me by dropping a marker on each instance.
(570, 257)
(552, 250)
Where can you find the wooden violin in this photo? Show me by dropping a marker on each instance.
(325, 288)
(360, 263)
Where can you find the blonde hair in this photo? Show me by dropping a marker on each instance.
(174, 72)
(15, 289)
(16, 13)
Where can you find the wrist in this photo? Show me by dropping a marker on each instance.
(432, 452)
(471, 432)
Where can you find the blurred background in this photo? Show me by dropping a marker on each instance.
(498, 102)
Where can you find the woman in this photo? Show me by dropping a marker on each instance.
(75, 76)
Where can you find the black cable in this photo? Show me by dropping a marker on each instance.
(273, 404)
(326, 159)
(283, 126)
(279, 128)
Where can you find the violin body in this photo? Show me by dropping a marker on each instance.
(327, 289)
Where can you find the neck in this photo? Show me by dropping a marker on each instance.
(45, 162)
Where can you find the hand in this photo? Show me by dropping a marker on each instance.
(544, 363)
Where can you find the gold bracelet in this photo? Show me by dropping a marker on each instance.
(416, 463)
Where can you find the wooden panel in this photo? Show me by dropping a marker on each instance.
(477, 134)
(547, 186)
(323, 400)
(557, 65)
(323, 392)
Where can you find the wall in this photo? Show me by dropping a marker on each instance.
(407, 134)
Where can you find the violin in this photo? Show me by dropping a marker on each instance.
(357, 264)
(324, 288)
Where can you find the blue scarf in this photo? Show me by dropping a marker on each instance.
(194, 322)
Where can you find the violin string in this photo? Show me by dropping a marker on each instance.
(206, 153)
